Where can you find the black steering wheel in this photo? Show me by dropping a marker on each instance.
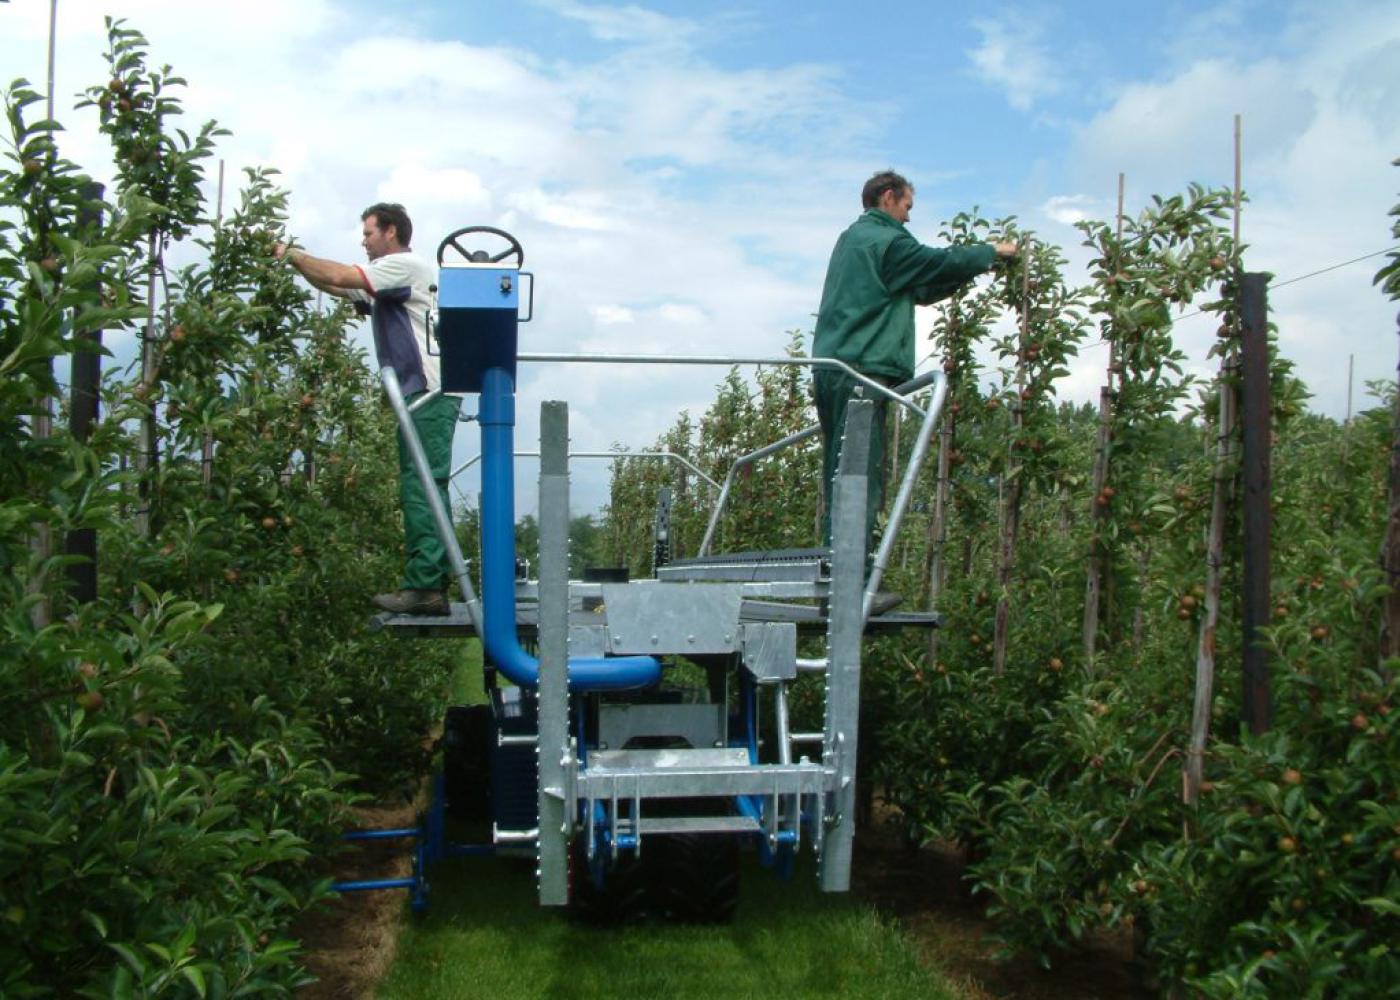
(481, 256)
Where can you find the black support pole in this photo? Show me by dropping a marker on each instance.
(1257, 427)
(86, 380)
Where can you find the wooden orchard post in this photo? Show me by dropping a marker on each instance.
(1256, 428)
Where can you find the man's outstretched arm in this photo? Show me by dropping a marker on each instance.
(327, 275)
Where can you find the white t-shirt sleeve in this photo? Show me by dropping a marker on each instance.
(390, 271)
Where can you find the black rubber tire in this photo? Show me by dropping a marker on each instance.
(625, 896)
(466, 762)
(694, 877)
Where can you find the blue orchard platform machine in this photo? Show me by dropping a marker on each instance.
(634, 795)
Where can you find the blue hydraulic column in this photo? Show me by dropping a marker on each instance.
(497, 419)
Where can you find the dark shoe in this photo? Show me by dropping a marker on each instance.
(413, 602)
(884, 601)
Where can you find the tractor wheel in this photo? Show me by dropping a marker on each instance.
(623, 898)
(466, 762)
(695, 877)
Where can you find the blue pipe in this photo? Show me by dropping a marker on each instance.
(497, 419)
(408, 831)
(374, 883)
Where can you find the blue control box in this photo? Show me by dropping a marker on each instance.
(477, 329)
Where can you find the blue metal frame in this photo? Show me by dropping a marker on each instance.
(430, 847)
(782, 858)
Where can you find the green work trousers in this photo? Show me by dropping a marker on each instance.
(427, 566)
(834, 390)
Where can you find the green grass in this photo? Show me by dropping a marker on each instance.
(468, 683)
(486, 936)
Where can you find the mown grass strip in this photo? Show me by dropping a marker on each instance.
(485, 936)
(468, 683)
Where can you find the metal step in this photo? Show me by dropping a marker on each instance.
(809, 618)
(906, 619)
(682, 780)
(780, 565)
(425, 626)
(599, 760)
(700, 824)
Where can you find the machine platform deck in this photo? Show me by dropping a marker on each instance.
(808, 618)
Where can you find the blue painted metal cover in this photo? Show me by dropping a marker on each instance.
(478, 317)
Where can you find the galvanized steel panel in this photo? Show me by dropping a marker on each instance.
(651, 617)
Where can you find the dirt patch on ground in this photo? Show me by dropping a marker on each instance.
(923, 888)
(350, 941)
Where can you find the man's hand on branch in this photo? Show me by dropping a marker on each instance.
(1007, 249)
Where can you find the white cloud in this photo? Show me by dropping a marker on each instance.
(446, 188)
(1159, 132)
(680, 313)
(574, 210)
(608, 315)
(629, 23)
(1012, 56)
(1317, 143)
(1067, 209)
(588, 162)
(669, 204)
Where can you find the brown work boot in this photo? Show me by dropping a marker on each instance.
(413, 602)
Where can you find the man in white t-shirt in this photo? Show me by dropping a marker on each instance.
(392, 289)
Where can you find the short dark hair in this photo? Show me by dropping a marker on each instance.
(885, 180)
(389, 213)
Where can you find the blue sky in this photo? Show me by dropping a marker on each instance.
(677, 172)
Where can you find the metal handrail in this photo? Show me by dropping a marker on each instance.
(602, 454)
(901, 500)
(667, 359)
(901, 392)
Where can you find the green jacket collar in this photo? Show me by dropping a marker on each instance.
(884, 218)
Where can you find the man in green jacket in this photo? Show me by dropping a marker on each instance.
(877, 274)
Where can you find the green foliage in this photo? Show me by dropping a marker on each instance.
(1292, 877)
(742, 419)
(1062, 785)
(176, 755)
(1388, 277)
(154, 160)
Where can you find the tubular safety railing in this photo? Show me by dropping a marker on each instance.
(899, 394)
(673, 456)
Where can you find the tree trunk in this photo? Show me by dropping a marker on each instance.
(938, 532)
(1390, 550)
(1098, 507)
(1144, 560)
(1215, 555)
(1011, 507)
(1098, 555)
(1256, 425)
(1010, 525)
(146, 456)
